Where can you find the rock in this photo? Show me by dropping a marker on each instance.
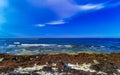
(1, 59)
(96, 62)
(31, 59)
(37, 57)
(49, 69)
(54, 64)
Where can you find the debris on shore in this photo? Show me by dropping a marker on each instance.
(60, 64)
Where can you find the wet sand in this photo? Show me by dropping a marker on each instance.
(60, 64)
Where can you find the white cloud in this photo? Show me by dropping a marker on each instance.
(56, 22)
(91, 6)
(65, 8)
(68, 8)
(40, 25)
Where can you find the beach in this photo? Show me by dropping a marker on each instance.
(60, 64)
(60, 56)
(59, 37)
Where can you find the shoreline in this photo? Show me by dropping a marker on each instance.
(81, 63)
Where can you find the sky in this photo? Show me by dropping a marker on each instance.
(59, 18)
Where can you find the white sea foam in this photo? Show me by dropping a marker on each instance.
(11, 45)
(64, 46)
(44, 45)
(68, 46)
(16, 43)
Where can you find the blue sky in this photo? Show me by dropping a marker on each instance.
(59, 18)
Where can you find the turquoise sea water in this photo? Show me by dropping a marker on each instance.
(59, 45)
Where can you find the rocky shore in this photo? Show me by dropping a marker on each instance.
(60, 64)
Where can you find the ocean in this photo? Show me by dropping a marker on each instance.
(21, 46)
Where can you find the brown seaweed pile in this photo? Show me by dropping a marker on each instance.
(60, 64)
